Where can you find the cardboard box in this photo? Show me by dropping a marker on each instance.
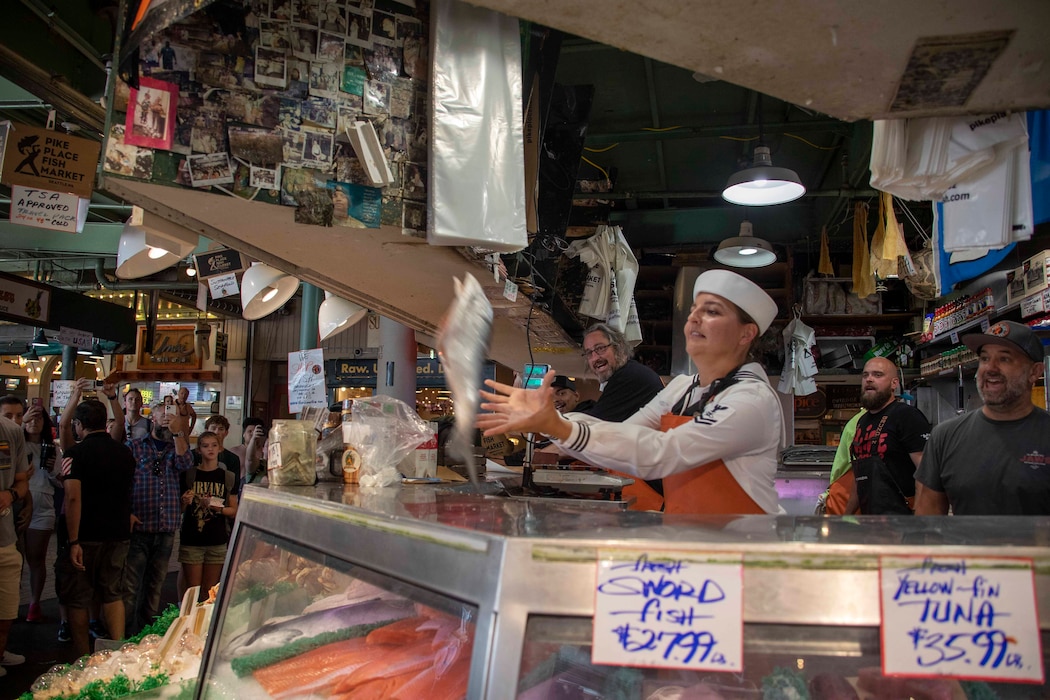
(1015, 285)
(1035, 273)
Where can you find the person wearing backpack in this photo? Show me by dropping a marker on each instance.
(209, 497)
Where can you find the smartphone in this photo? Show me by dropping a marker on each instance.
(171, 409)
(533, 376)
(36, 401)
(99, 383)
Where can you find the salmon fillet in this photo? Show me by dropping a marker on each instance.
(316, 670)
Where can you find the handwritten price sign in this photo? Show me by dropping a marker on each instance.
(668, 610)
(960, 617)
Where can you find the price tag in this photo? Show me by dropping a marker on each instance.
(961, 617)
(510, 291)
(74, 337)
(669, 609)
(985, 324)
(955, 337)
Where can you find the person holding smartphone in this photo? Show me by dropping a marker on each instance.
(36, 425)
(250, 452)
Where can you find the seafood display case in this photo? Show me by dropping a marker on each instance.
(418, 592)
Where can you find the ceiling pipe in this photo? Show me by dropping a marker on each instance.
(846, 193)
(100, 275)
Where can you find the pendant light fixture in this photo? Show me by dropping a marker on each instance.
(150, 244)
(745, 250)
(265, 289)
(40, 340)
(96, 351)
(337, 314)
(31, 356)
(762, 184)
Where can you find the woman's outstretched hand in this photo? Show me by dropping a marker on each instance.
(521, 410)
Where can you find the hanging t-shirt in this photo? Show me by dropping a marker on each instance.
(202, 525)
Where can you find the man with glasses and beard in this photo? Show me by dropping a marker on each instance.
(156, 510)
(887, 446)
(627, 384)
(98, 518)
(995, 460)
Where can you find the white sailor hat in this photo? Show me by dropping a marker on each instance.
(742, 292)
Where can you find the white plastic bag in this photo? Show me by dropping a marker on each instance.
(384, 431)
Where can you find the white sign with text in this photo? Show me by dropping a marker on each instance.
(223, 286)
(61, 390)
(59, 211)
(306, 385)
(669, 609)
(962, 617)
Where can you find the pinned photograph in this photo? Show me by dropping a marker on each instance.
(348, 114)
(325, 79)
(255, 144)
(359, 27)
(333, 18)
(317, 149)
(270, 67)
(210, 169)
(401, 97)
(209, 131)
(415, 219)
(293, 146)
(283, 9)
(415, 181)
(309, 12)
(319, 112)
(354, 78)
(376, 98)
(384, 28)
(384, 63)
(304, 41)
(124, 159)
(150, 119)
(330, 47)
(355, 206)
(353, 55)
(273, 34)
(265, 178)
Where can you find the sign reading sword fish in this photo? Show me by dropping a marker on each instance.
(463, 342)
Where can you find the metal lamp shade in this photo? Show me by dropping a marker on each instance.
(337, 314)
(745, 250)
(265, 289)
(762, 184)
(145, 250)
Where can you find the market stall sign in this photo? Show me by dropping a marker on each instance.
(669, 609)
(218, 262)
(306, 385)
(843, 396)
(960, 617)
(172, 349)
(23, 301)
(362, 372)
(813, 405)
(58, 211)
(49, 160)
(222, 345)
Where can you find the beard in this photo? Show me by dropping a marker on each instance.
(1007, 395)
(163, 433)
(876, 400)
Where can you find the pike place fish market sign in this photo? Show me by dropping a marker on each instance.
(172, 349)
(49, 160)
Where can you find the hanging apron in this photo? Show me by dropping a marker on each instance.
(707, 489)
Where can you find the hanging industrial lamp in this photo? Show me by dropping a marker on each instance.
(96, 351)
(762, 184)
(40, 340)
(337, 314)
(31, 356)
(265, 289)
(745, 250)
(149, 244)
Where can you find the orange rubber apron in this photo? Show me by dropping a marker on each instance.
(839, 493)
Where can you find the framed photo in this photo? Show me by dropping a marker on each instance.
(150, 119)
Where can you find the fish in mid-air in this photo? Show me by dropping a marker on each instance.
(463, 342)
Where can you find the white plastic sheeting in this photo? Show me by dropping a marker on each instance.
(477, 149)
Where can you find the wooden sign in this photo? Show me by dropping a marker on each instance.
(813, 405)
(49, 160)
(24, 301)
(172, 349)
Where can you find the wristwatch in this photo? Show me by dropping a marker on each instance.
(181, 435)
(14, 494)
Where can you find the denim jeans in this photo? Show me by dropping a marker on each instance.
(144, 573)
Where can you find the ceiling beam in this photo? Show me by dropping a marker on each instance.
(712, 132)
(53, 90)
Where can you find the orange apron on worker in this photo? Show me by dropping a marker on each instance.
(839, 493)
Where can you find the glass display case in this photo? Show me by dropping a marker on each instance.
(417, 592)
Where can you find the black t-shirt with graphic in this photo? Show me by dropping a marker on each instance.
(203, 526)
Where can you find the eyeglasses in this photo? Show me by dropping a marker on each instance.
(596, 350)
(158, 470)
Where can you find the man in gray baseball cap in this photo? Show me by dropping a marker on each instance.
(995, 460)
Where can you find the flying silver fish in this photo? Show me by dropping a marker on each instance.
(463, 342)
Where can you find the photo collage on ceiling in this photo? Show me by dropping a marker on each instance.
(255, 99)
